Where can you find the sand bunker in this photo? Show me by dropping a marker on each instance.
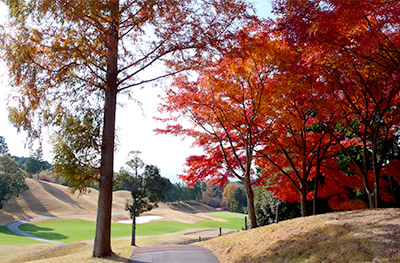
(141, 219)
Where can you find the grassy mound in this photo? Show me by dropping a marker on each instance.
(44, 198)
(355, 236)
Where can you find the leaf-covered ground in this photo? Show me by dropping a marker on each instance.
(354, 236)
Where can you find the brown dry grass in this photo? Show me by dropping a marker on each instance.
(184, 212)
(44, 198)
(355, 236)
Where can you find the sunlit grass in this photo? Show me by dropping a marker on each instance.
(77, 230)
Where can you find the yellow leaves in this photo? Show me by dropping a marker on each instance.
(36, 35)
(18, 118)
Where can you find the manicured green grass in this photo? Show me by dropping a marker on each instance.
(61, 230)
(157, 228)
(76, 230)
(235, 221)
(9, 238)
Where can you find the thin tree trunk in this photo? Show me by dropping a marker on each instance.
(369, 191)
(250, 203)
(102, 241)
(377, 170)
(315, 197)
(316, 187)
(371, 200)
(133, 238)
(303, 198)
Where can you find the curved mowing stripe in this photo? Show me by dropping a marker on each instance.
(14, 227)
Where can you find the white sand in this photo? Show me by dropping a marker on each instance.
(141, 219)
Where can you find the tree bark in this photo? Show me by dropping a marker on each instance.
(102, 241)
(304, 206)
(133, 238)
(369, 191)
(316, 187)
(102, 246)
(371, 199)
(315, 197)
(250, 203)
(377, 170)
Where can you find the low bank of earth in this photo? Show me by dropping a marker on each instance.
(354, 236)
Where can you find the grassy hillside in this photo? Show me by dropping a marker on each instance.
(355, 236)
(44, 198)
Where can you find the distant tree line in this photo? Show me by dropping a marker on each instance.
(230, 196)
(33, 165)
(172, 192)
(12, 178)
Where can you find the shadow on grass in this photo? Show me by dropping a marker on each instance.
(60, 195)
(5, 231)
(191, 207)
(36, 205)
(117, 258)
(43, 232)
(12, 208)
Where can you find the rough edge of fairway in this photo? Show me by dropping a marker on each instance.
(354, 236)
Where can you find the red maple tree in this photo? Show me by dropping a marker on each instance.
(227, 105)
(355, 46)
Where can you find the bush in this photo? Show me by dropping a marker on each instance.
(265, 205)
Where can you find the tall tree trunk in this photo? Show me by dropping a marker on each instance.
(102, 246)
(102, 241)
(250, 202)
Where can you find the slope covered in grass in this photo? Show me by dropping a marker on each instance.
(354, 236)
(44, 198)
